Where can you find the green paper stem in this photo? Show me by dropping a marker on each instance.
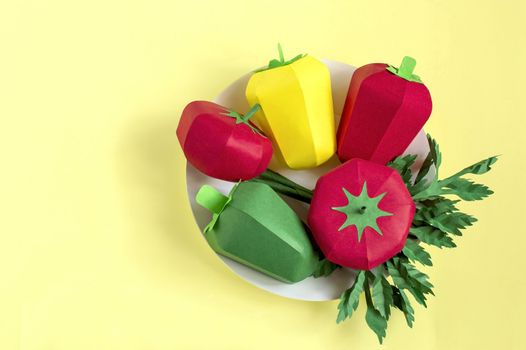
(274, 176)
(283, 185)
(275, 63)
(407, 67)
(244, 119)
(251, 112)
(281, 56)
(286, 190)
(211, 199)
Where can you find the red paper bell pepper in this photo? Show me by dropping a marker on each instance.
(360, 214)
(384, 110)
(222, 143)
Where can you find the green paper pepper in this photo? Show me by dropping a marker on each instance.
(255, 227)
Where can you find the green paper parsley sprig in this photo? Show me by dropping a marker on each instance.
(436, 222)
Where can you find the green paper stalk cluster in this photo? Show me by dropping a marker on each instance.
(281, 184)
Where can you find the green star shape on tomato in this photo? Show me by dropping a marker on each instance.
(362, 211)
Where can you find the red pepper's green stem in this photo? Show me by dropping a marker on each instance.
(250, 113)
(407, 67)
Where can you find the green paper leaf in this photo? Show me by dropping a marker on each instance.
(376, 322)
(350, 298)
(467, 190)
(451, 222)
(382, 295)
(406, 276)
(402, 280)
(434, 157)
(401, 301)
(374, 319)
(362, 211)
(478, 168)
(454, 185)
(430, 209)
(342, 306)
(433, 236)
(418, 279)
(415, 252)
(402, 165)
(324, 268)
(439, 214)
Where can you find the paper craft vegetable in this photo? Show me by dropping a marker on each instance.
(360, 214)
(255, 227)
(297, 111)
(384, 110)
(222, 143)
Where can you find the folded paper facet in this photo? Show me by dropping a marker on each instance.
(360, 214)
(384, 110)
(255, 227)
(222, 143)
(296, 109)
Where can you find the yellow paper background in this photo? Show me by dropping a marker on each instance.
(98, 246)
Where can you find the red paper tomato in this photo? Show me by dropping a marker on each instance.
(384, 110)
(360, 214)
(222, 143)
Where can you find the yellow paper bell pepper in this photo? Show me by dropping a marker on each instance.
(296, 109)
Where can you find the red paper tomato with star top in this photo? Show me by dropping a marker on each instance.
(360, 214)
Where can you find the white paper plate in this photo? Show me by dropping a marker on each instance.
(312, 289)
